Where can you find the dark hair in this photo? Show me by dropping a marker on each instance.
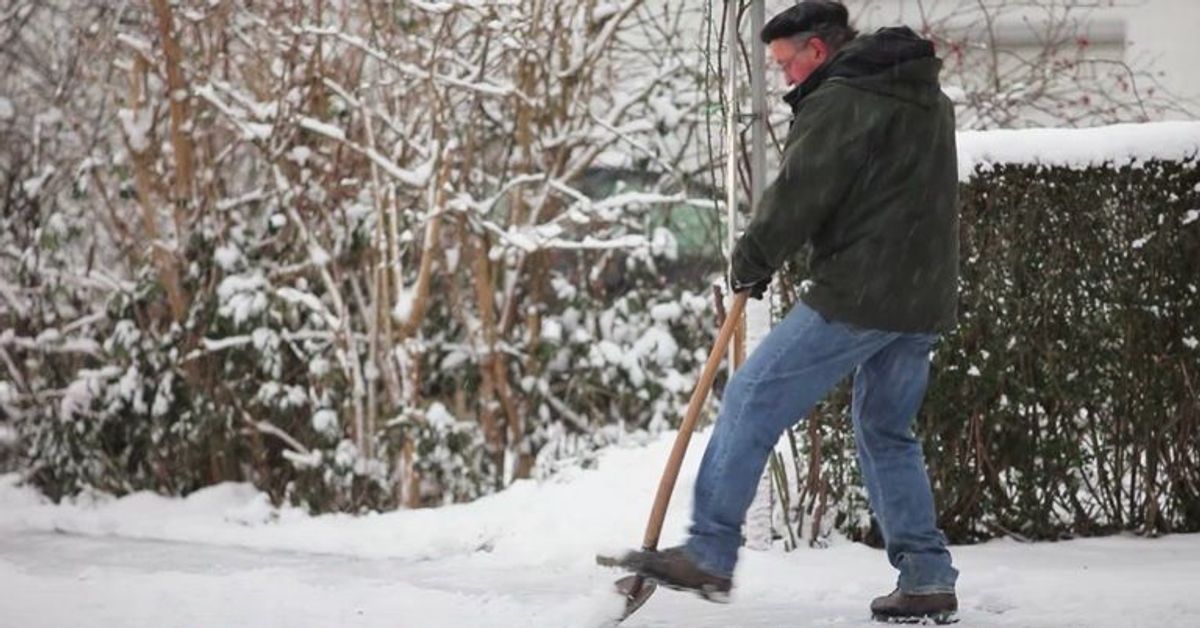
(827, 19)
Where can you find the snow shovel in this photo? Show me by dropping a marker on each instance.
(637, 589)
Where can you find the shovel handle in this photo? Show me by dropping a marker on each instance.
(671, 473)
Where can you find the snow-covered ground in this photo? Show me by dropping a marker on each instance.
(223, 557)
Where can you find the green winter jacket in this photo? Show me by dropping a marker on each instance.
(868, 179)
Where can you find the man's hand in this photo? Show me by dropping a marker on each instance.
(756, 289)
(746, 274)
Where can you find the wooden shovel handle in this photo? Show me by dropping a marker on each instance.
(667, 484)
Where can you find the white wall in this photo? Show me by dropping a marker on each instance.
(1158, 36)
(1167, 33)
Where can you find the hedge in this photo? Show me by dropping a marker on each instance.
(1067, 400)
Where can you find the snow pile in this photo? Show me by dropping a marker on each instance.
(567, 518)
(519, 558)
(1078, 148)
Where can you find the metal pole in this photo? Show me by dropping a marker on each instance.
(759, 527)
(731, 114)
(758, 87)
(758, 314)
(738, 347)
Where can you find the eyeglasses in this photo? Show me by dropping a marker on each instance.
(783, 64)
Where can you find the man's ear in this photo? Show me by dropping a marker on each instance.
(820, 49)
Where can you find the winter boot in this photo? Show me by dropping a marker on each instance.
(907, 608)
(674, 568)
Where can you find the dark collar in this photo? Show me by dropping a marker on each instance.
(866, 55)
(808, 86)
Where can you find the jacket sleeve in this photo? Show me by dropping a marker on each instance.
(825, 150)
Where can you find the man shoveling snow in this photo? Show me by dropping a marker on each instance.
(869, 180)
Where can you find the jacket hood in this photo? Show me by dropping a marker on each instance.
(893, 61)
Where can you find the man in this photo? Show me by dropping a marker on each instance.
(869, 180)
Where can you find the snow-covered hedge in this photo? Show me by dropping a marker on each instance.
(1109, 146)
(1067, 401)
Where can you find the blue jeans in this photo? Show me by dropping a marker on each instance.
(794, 367)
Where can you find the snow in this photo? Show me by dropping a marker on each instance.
(529, 524)
(78, 396)
(137, 43)
(136, 123)
(433, 7)
(309, 460)
(664, 244)
(1078, 148)
(605, 10)
(318, 255)
(658, 343)
(7, 111)
(242, 297)
(48, 117)
(524, 557)
(758, 321)
(300, 155)
(325, 422)
(163, 396)
(552, 331)
(292, 295)
(257, 130)
(666, 312)
(322, 128)
(665, 112)
(439, 416)
(227, 257)
(955, 93)
(33, 185)
(404, 304)
(455, 359)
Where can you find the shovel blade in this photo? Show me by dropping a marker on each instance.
(636, 590)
